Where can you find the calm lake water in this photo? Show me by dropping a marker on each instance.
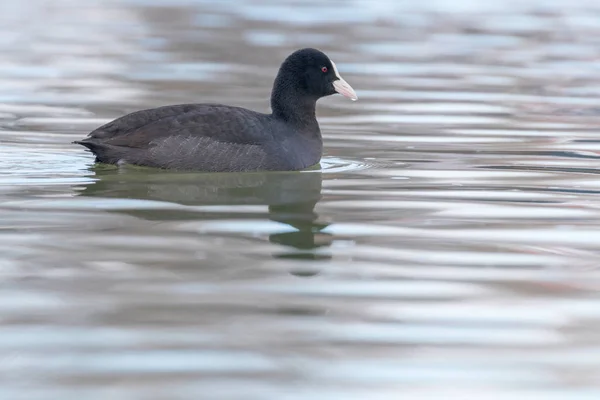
(448, 247)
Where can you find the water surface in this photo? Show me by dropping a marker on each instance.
(447, 246)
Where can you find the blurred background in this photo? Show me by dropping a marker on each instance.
(448, 245)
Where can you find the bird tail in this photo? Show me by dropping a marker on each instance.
(104, 153)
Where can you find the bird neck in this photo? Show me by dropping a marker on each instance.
(290, 103)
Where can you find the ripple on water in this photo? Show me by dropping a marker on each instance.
(332, 165)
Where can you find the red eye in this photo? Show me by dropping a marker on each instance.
(324, 69)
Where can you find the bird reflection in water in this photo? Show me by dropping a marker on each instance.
(291, 198)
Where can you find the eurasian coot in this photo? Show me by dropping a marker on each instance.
(219, 138)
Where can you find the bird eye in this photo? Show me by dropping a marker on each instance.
(324, 69)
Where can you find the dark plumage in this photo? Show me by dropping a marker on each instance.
(214, 137)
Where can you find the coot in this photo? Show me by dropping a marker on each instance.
(220, 138)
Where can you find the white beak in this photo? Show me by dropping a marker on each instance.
(342, 87)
